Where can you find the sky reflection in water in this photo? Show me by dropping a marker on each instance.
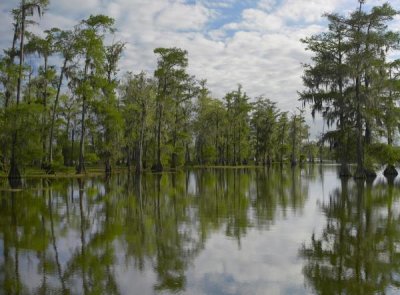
(204, 231)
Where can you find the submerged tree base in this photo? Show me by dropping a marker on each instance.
(108, 168)
(364, 173)
(157, 168)
(14, 177)
(344, 171)
(80, 169)
(390, 170)
(369, 173)
(48, 168)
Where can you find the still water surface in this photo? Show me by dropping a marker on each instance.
(204, 231)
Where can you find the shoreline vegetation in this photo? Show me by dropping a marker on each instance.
(72, 107)
(97, 171)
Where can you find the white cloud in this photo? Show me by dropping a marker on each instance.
(219, 4)
(256, 20)
(266, 4)
(179, 16)
(76, 6)
(308, 11)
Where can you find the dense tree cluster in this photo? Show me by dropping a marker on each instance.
(355, 84)
(74, 108)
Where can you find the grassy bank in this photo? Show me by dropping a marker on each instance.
(67, 172)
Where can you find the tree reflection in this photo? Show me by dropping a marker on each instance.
(357, 251)
(76, 236)
(277, 192)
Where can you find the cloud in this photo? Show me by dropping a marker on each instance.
(267, 5)
(219, 4)
(76, 7)
(307, 11)
(179, 16)
(256, 20)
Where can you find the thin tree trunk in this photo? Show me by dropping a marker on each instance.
(71, 160)
(139, 156)
(344, 168)
(293, 160)
(44, 117)
(67, 130)
(53, 116)
(159, 166)
(13, 54)
(14, 175)
(128, 158)
(360, 171)
(81, 164)
(174, 155)
(108, 168)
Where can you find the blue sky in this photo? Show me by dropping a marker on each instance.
(251, 42)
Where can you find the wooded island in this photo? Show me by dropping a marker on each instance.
(77, 109)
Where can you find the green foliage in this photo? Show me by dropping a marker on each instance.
(82, 108)
(352, 82)
(92, 158)
(264, 129)
(384, 154)
(25, 121)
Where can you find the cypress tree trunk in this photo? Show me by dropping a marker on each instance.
(44, 120)
(390, 170)
(293, 156)
(139, 156)
(71, 160)
(13, 54)
(187, 155)
(53, 116)
(8, 92)
(174, 156)
(344, 167)
(81, 164)
(128, 158)
(360, 171)
(159, 167)
(108, 168)
(14, 175)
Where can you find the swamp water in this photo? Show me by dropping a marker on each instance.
(202, 231)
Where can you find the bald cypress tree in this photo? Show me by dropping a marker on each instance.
(91, 76)
(345, 81)
(23, 13)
